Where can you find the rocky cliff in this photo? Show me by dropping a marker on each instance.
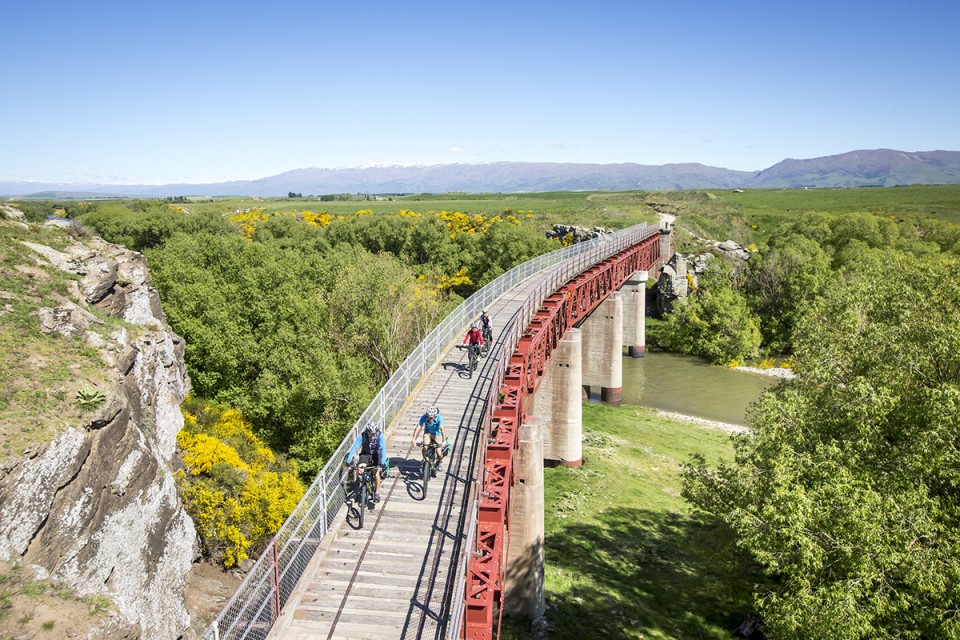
(87, 499)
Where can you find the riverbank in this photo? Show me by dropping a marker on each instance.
(775, 372)
(703, 422)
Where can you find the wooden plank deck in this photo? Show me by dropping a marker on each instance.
(395, 577)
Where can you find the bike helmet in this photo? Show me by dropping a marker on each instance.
(484, 312)
(370, 429)
(432, 412)
(473, 325)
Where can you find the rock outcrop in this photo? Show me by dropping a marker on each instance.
(578, 234)
(96, 507)
(681, 272)
(672, 283)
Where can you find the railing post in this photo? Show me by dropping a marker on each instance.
(276, 582)
(323, 505)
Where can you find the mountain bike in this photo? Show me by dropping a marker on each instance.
(428, 465)
(487, 341)
(474, 351)
(360, 493)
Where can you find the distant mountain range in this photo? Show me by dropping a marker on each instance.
(878, 167)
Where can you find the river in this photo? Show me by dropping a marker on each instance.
(690, 385)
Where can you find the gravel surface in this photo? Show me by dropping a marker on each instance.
(703, 422)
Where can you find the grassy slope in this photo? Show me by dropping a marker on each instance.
(626, 557)
(39, 374)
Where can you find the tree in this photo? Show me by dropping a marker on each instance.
(848, 492)
(789, 274)
(715, 321)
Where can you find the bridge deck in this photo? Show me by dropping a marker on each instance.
(394, 578)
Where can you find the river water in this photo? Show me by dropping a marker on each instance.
(690, 385)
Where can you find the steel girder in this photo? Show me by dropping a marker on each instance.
(560, 311)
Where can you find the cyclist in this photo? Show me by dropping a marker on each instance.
(486, 326)
(432, 424)
(474, 337)
(369, 447)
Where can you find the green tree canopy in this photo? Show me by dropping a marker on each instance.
(714, 321)
(848, 492)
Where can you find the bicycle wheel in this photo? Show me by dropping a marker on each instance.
(473, 360)
(363, 503)
(425, 470)
(353, 517)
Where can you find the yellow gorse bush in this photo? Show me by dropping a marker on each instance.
(233, 486)
(201, 453)
(248, 220)
(459, 278)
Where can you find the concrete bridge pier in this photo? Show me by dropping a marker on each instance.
(603, 348)
(666, 247)
(634, 313)
(523, 587)
(557, 403)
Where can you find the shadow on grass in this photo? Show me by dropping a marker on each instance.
(634, 573)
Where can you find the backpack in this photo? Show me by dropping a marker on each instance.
(371, 447)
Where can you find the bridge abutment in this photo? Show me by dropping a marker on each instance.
(524, 591)
(603, 348)
(558, 402)
(634, 314)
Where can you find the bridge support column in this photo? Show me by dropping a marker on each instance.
(558, 402)
(523, 589)
(603, 348)
(666, 247)
(634, 313)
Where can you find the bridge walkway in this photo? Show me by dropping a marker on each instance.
(394, 578)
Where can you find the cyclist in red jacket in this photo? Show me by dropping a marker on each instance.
(474, 337)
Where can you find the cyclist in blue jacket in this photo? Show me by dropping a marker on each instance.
(432, 424)
(370, 447)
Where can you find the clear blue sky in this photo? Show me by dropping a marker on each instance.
(203, 91)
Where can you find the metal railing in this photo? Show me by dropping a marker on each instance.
(552, 281)
(255, 605)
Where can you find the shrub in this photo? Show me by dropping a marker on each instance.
(235, 488)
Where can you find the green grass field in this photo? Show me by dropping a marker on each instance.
(608, 209)
(625, 556)
(754, 215)
(750, 216)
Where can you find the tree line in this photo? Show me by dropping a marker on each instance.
(741, 309)
(846, 495)
(300, 319)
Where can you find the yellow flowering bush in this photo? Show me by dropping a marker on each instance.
(321, 219)
(248, 220)
(201, 453)
(233, 486)
(459, 278)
